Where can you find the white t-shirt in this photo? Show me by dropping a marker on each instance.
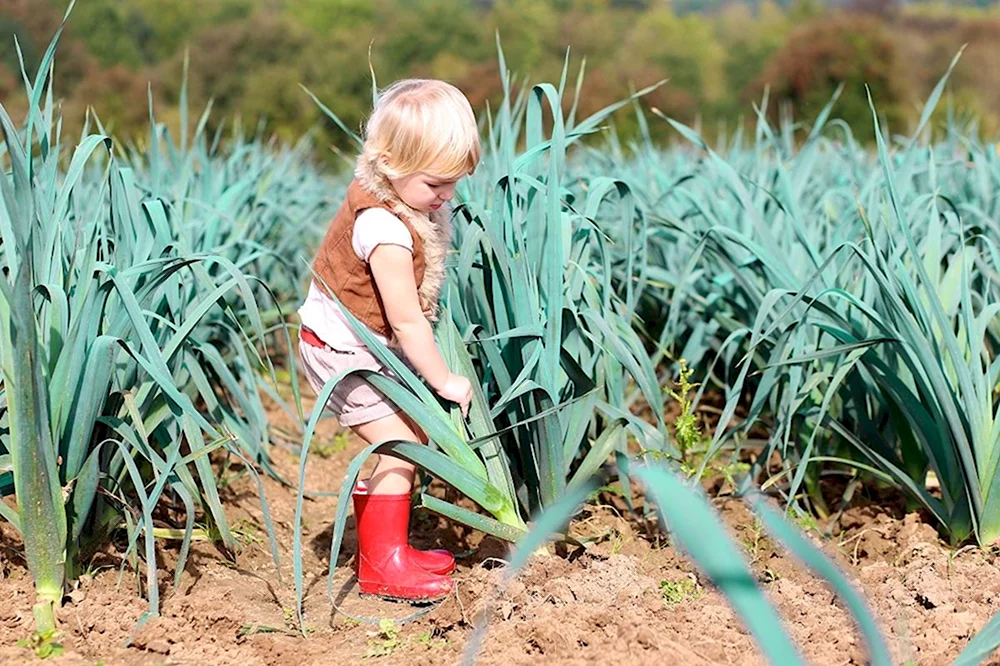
(373, 227)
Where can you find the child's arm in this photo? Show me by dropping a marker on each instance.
(392, 268)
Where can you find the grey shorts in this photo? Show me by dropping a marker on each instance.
(354, 401)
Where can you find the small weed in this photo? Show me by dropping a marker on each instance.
(655, 455)
(753, 538)
(805, 520)
(44, 644)
(675, 592)
(336, 444)
(427, 638)
(692, 444)
(732, 470)
(688, 433)
(247, 533)
(384, 641)
(617, 543)
(291, 623)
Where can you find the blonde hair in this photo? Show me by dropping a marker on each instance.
(424, 125)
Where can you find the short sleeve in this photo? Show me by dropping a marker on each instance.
(377, 226)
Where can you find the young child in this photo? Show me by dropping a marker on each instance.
(383, 257)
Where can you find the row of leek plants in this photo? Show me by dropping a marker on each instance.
(852, 294)
(131, 335)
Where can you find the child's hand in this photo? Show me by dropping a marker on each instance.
(457, 389)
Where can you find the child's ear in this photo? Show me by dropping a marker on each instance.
(383, 159)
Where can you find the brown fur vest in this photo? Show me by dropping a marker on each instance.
(350, 278)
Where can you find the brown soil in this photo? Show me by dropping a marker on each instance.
(605, 604)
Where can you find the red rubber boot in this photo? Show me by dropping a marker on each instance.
(436, 561)
(385, 563)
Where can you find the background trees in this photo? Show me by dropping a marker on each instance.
(250, 56)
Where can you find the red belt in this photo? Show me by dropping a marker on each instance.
(310, 338)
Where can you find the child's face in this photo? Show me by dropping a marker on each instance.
(423, 192)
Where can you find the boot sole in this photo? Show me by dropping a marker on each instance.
(439, 572)
(402, 600)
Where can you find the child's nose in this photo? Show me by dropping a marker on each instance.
(448, 193)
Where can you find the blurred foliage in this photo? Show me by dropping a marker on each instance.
(852, 51)
(718, 56)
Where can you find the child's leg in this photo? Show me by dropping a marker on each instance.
(387, 565)
(392, 476)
